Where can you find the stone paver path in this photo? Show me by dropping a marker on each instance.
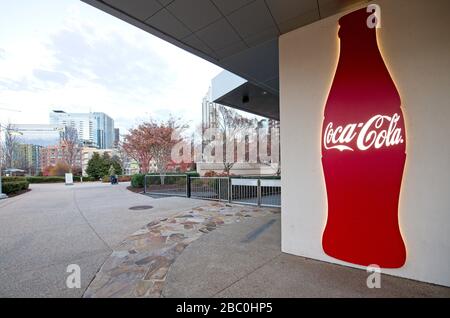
(138, 267)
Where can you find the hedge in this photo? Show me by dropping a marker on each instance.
(257, 177)
(137, 180)
(14, 186)
(46, 179)
(12, 179)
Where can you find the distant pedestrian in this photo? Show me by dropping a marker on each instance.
(112, 175)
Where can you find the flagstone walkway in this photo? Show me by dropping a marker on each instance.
(138, 267)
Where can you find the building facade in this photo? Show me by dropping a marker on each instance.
(289, 52)
(84, 123)
(94, 129)
(211, 119)
(105, 134)
(88, 152)
(28, 158)
(411, 43)
(39, 134)
(51, 155)
(209, 111)
(116, 137)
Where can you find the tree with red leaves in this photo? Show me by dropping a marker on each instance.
(153, 140)
(137, 144)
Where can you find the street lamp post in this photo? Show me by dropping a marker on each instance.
(2, 195)
(9, 131)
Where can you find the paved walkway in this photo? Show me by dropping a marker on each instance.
(218, 250)
(138, 267)
(245, 260)
(189, 248)
(52, 226)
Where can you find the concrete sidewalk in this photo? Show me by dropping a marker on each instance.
(52, 226)
(245, 260)
(185, 247)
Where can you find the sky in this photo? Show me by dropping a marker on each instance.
(68, 55)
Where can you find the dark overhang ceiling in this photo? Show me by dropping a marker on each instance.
(251, 98)
(240, 36)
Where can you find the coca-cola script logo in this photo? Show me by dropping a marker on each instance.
(370, 134)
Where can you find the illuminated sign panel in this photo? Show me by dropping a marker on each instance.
(363, 152)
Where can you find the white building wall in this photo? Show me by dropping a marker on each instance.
(415, 43)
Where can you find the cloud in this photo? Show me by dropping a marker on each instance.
(111, 61)
(50, 76)
(15, 85)
(92, 61)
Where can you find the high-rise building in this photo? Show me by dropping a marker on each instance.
(105, 130)
(28, 157)
(94, 129)
(209, 111)
(116, 137)
(84, 123)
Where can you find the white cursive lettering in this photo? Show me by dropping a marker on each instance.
(370, 135)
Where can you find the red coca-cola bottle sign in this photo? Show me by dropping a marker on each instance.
(363, 152)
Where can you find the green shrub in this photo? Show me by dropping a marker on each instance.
(45, 179)
(12, 179)
(85, 179)
(11, 187)
(99, 166)
(137, 180)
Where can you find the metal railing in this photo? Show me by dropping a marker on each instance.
(245, 191)
(270, 192)
(210, 188)
(255, 191)
(166, 185)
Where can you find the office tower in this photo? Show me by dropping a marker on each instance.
(27, 157)
(105, 130)
(84, 123)
(116, 137)
(94, 129)
(209, 111)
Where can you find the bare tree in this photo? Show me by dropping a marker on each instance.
(71, 146)
(231, 125)
(123, 156)
(272, 145)
(20, 160)
(9, 146)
